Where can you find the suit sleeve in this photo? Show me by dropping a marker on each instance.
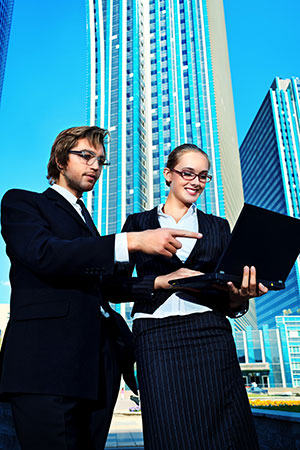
(31, 242)
(121, 286)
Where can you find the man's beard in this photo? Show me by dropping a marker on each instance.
(74, 185)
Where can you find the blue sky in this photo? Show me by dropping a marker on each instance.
(45, 81)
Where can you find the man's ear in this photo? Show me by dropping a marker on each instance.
(167, 174)
(59, 166)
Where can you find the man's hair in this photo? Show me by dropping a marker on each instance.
(175, 154)
(68, 139)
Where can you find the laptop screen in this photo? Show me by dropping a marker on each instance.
(265, 239)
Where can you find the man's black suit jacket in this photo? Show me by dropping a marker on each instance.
(52, 344)
(204, 257)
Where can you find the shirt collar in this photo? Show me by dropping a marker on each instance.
(65, 193)
(190, 212)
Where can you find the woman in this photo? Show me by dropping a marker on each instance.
(191, 388)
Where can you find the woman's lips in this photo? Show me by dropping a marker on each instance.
(192, 191)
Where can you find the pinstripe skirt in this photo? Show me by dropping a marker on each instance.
(191, 387)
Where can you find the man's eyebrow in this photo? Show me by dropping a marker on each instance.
(87, 150)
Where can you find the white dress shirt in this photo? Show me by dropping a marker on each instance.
(177, 304)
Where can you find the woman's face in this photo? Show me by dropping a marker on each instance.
(187, 192)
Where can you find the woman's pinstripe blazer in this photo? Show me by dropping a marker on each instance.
(203, 257)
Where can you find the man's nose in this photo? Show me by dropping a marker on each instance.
(96, 165)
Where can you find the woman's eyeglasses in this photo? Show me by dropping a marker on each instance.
(189, 176)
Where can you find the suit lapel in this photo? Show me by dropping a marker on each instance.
(153, 223)
(61, 202)
(204, 228)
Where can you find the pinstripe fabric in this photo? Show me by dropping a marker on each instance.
(203, 257)
(192, 392)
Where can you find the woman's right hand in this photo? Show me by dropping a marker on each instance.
(162, 281)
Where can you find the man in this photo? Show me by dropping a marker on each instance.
(64, 346)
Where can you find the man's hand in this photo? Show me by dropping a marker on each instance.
(249, 289)
(161, 241)
(162, 281)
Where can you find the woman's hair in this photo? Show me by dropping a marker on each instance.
(68, 139)
(175, 155)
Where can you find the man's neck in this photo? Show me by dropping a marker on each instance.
(65, 192)
(63, 184)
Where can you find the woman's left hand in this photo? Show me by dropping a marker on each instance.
(249, 288)
(162, 281)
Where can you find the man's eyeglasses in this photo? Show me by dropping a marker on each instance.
(189, 176)
(89, 157)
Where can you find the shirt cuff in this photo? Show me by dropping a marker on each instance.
(121, 248)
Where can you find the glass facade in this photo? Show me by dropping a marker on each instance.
(271, 357)
(240, 346)
(270, 155)
(6, 9)
(116, 101)
(289, 327)
(156, 80)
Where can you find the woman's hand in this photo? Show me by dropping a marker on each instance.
(162, 281)
(248, 289)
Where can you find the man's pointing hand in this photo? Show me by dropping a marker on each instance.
(161, 241)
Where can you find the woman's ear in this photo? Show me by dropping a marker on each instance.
(167, 174)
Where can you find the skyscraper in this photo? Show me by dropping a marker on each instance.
(270, 156)
(6, 8)
(270, 357)
(158, 77)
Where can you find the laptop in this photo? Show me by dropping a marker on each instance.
(265, 239)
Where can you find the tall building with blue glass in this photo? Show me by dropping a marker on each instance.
(6, 8)
(270, 156)
(159, 76)
(271, 357)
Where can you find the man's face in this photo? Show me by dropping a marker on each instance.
(78, 177)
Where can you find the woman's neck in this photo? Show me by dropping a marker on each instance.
(175, 209)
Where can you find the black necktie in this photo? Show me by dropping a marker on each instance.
(90, 224)
(87, 217)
